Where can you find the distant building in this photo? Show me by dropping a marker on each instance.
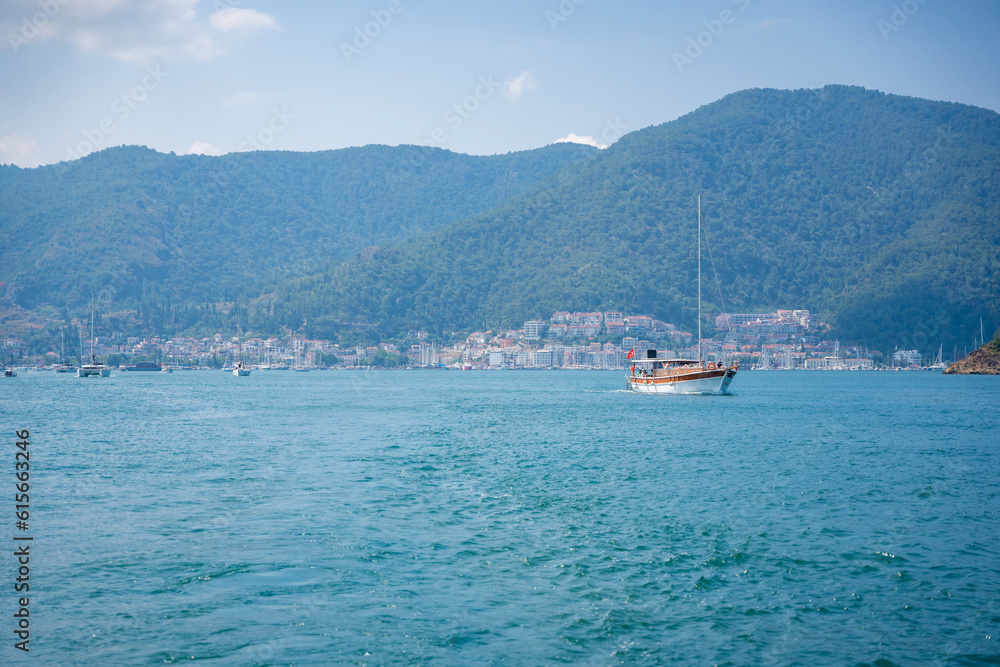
(638, 324)
(558, 330)
(542, 358)
(782, 321)
(614, 323)
(586, 318)
(587, 330)
(906, 358)
(533, 329)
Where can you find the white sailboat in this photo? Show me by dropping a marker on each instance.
(938, 364)
(93, 369)
(653, 375)
(239, 368)
(299, 366)
(61, 367)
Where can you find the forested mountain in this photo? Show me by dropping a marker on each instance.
(161, 232)
(880, 213)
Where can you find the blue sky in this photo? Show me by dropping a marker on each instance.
(473, 77)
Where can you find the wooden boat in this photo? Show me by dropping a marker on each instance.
(652, 375)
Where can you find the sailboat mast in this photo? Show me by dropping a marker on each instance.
(93, 357)
(699, 278)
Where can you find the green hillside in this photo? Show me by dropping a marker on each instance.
(880, 213)
(163, 233)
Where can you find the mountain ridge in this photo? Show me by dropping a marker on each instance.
(878, 212)
(200, 227)
(786, 196)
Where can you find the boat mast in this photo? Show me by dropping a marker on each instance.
(699, 279)
(239, 336)
(93, 357)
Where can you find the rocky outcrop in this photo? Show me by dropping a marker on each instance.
(984, 361)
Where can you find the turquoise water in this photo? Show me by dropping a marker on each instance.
(461, 518)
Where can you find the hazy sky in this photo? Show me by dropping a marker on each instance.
(475, 77)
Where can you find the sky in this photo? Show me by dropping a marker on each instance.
(218, 76)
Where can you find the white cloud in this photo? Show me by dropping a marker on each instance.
(20, 150)
(203, 148)
(241, 20)
(139, 31)
(767, 23)
(574, 138)
(512, 89)
(241, 99)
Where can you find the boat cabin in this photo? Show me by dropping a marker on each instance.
(653, 366)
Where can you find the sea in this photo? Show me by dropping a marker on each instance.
(517, 517)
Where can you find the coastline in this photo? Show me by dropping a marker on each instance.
(984, 361)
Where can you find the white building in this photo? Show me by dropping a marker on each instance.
(542, 358)
(533, 329)
(906, 358)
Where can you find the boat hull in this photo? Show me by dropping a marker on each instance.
(241, 372)
(704, 382)
(153, 367)
(98, 372)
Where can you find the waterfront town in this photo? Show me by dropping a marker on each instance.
(782, 340)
